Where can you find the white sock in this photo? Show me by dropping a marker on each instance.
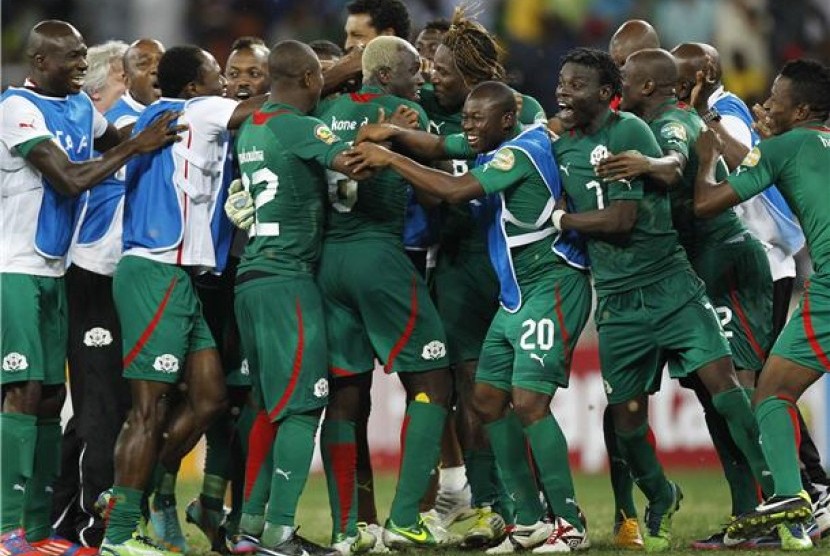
(452, 478)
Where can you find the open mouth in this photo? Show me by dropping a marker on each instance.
(243, 94)
(472, 139)
(78, 80)
(566, 111)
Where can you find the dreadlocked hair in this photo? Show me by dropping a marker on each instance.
(474, 50)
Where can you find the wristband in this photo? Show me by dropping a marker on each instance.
(556, 218)
(711, 115)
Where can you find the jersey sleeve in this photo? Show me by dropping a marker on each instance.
(532, 112)
(760, 168)
(631, 134)
(23, 125)
(508, 167)
(313, 140)
(673, 136)
(99, 124)
(456, 146)
(211, 114)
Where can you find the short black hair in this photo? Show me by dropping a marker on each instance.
(385, 14)
(609, 73)
(810, 84)
(179, 66)
(247, 41)
(441, 25)
(322, 47)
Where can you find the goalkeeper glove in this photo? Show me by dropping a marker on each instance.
(240, 206)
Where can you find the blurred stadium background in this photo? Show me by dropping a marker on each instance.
(754, 38)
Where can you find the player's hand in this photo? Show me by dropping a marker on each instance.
(375, 133)
(240, 206)
(352, 61)
(555, 126)
(159, 133)
(703, 78)
(708, 145)
(364, 157)
(761, 123)
(404, 117)
(626, 165)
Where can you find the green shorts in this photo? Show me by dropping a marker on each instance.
(642, 328)
(739, 285)
(378, 305)
(531, 348)
(161, 319)
(466, 295)
(806, 337)
(35, 328)
(283, 334)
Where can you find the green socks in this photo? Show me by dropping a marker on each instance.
(735, 408)
(480, 465)
(293, 448)
(37, 507)
(339, 451)
(622, 483)
(125, 514)
(550, 450)
(421, 447)
(18, 433)
(638, 450)
(778, 422)
(508, 442)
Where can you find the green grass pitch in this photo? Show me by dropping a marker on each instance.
(705, 508)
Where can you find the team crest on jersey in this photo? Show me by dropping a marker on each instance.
(673, 131)
(599, 154)
(97, 337)
(324, 134)
(434, 350)
(752, 157)
(166, 363)
(503, 160)
(321, 388)
(15, 362)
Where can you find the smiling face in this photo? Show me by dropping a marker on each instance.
(405, 78)
(485, 125)
(247, 73)
(449, 85)
(60, 65)
(782, 113)
(581, 97)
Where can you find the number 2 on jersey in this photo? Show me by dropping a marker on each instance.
(271, 181)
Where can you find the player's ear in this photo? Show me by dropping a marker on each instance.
(384, 75)
(306, 79)
(509, 120)
(605, 93)
(649, 86)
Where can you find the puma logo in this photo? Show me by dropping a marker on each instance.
(281, 473)
(18, 486)
(540, 359)
(565, 170)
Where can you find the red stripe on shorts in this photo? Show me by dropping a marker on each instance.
(298, 365)
(739, 310)
(407, 332)
(807, 320)
(337, 371)
(139, 345)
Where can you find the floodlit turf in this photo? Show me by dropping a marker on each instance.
(705, 508)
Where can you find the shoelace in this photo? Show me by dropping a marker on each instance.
(559, 532)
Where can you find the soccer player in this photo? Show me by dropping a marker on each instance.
(466, 288)
(797, 159)
(650, 302)
(100, 396)
(631, 36)
(246, 72)
(729, 260)
(427, 43)
(368, 19)
(49, 130)
(389, 315)
(766, 215)
(172, 231)
(283, 153)
(544, 292)
(327, 52)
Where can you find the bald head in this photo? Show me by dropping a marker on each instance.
(57, 58)
(633, 35)
(141, 62)
(291, 59)
(691, 58)
(656, 64)
(498, 95)
(648, 80)
(45, 35)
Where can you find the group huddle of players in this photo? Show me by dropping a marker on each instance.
(247, 245)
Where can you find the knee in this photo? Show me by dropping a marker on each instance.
(530, 410)
(487, 408)
(210, 409)
(22, 397)
(146, 417)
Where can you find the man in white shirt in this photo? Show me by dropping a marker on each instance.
(49, 128)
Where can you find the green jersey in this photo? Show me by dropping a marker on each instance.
(651, 251)
(459, 227)
(676, 129)
(282, 156)
(372, 208)
(798, 163)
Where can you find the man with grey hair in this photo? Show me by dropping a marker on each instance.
(390, 314)
(104, 81)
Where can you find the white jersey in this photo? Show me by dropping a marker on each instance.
(22, 187)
